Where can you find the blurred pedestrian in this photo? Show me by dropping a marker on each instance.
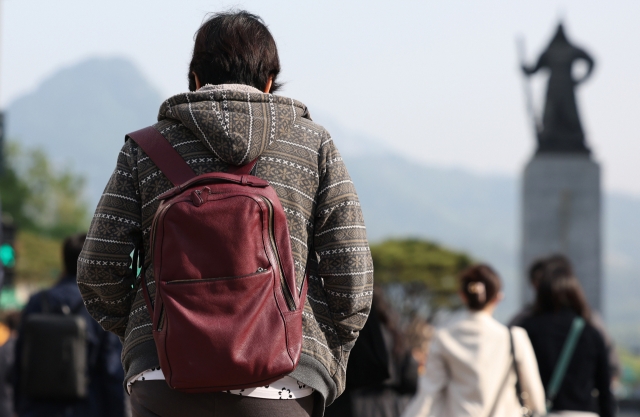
(228, 121)
(536, 272)
(419, 335)
(10, 321)
(470, 367)
(382, 374)
(560, 314)
(104, 392)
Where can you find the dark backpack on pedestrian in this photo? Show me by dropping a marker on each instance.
(54, 353)
(227, 312)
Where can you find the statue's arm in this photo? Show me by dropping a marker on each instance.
(581, 54)
(542, 62)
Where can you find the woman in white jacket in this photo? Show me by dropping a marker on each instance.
(470, 369)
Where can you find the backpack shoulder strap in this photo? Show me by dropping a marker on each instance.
(516, 369)
(168, 160)
(45, 304)
(563, 361)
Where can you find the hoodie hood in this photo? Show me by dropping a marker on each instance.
(235, 122)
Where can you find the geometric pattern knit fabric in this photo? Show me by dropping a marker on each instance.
(211, 129)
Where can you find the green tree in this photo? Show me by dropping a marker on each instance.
(39, 197)
(46, 204)
(39, 259)
(14, 192)
(422, 274)
(417, 261)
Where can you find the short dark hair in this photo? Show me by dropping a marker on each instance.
(71, 248)
(536, 270)
(538, 267)
(559, 289)
(480, 285)
(234, 47)
(560, 263)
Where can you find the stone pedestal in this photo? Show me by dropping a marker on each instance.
(561, 214)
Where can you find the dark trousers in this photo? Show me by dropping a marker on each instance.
(156, 399)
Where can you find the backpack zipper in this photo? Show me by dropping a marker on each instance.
(154, 226)
(152, 235)
(191, 281)
(285, 288)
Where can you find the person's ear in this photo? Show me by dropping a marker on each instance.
(267, 88)
(195, 76)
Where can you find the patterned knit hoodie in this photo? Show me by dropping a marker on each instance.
(213, 128)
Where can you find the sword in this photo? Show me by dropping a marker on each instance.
(526, 85)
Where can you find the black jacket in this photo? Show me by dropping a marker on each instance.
(588, 369)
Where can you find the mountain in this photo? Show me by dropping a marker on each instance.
(80, 115)
(480, 215)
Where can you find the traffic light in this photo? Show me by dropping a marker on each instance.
(8, 252)
(7, 255)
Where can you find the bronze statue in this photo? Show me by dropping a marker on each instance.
(561, 128)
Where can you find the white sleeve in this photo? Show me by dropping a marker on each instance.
(429, 400)
(528, 370)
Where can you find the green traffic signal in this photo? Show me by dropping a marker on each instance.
(7, 255)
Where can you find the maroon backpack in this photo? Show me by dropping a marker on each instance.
(227, 312)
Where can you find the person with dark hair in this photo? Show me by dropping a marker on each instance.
(234, 48)
(231, 118)
(585, 386)
(105, 395)
(475, 364)
(561, 263)
(535, 272)
(382, 373)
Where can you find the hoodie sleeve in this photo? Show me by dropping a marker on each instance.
(105, 277)
(340, 241)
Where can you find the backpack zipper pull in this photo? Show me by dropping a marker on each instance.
(196, 198)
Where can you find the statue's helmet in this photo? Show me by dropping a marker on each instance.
(560, 36)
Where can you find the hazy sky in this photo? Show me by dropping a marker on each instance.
(436, 80)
